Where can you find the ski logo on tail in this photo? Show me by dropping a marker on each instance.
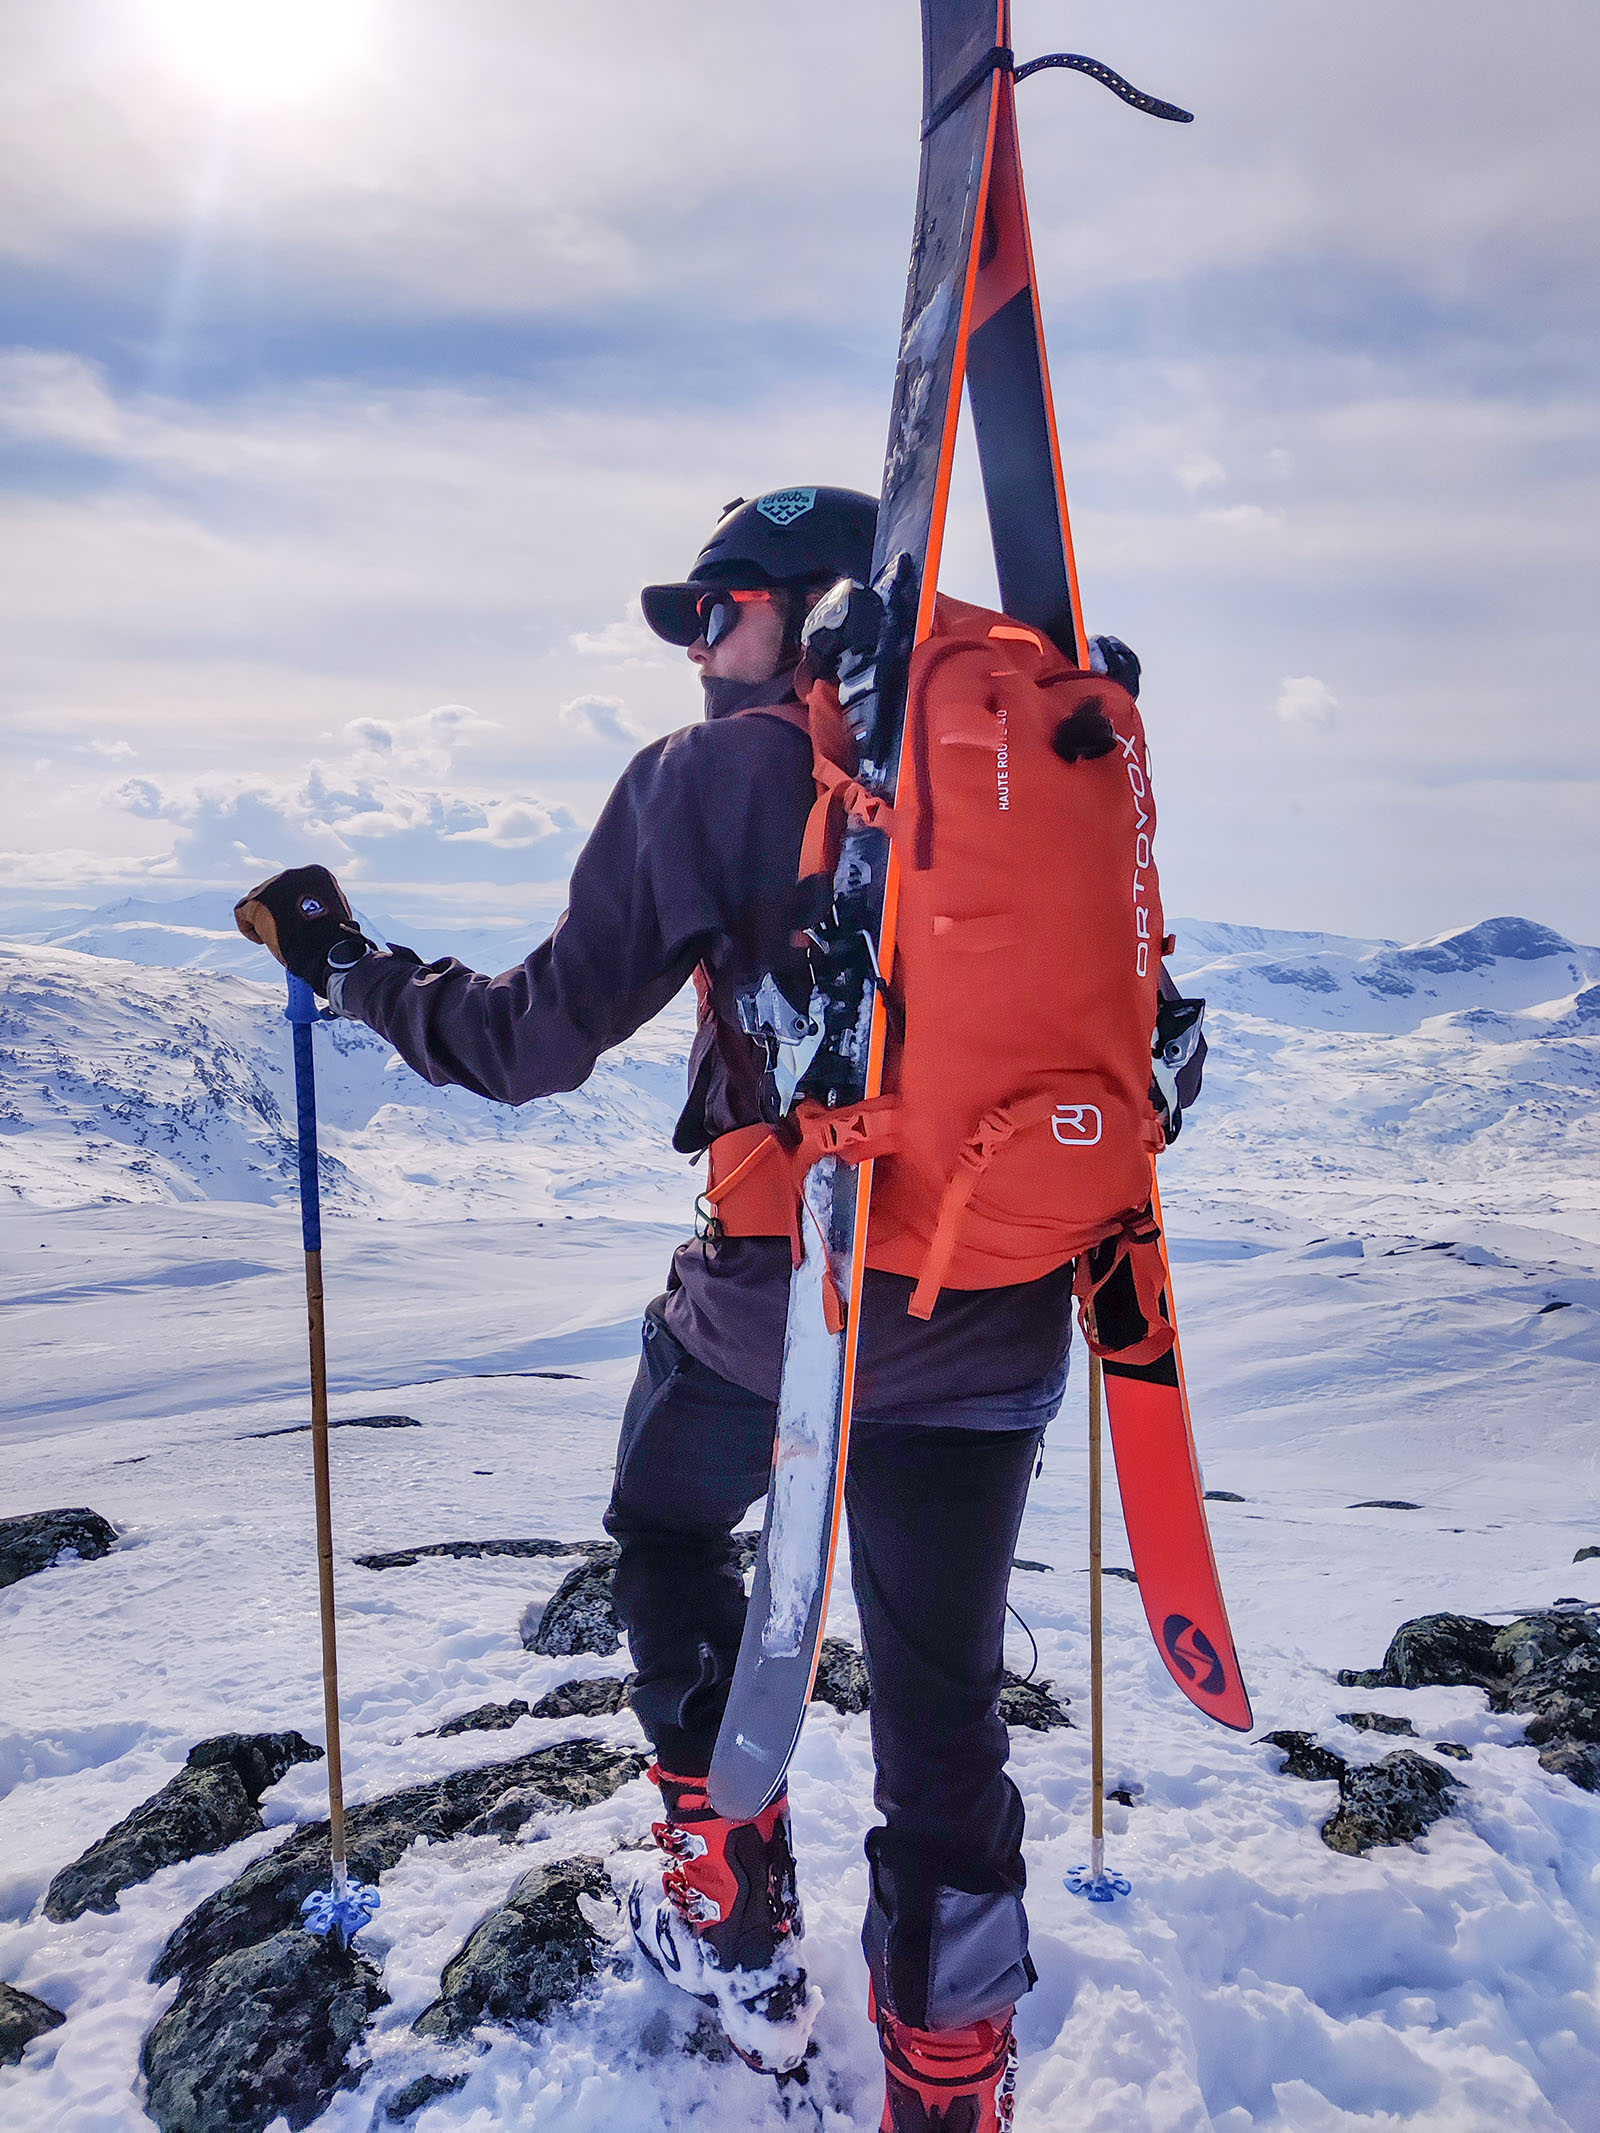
(1194, 1655)
(784, 506)
(1078, 1125)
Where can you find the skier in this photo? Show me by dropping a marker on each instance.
(691, 869)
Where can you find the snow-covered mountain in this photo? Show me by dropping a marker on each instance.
(133, 1083)
(1464, 1066)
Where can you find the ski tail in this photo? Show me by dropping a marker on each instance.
(1163, 1508)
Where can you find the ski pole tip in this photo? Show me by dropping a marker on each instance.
(338, 1915)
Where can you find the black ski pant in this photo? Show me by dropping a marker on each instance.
(933, 1514)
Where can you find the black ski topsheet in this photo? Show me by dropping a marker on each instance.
(794, 1567)
(1008, 386)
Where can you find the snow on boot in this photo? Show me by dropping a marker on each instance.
(947, 2080)
(727, 1921)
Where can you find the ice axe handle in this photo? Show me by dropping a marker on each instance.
(302, 1011)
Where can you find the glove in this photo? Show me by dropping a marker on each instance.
(303, 917)
(1112, 658)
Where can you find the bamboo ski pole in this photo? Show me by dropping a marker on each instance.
(340, 1912)
(1092, 1880)
(1097, 1684)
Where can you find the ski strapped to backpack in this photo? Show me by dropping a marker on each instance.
(864, 1133)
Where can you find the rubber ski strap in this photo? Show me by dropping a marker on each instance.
(1002, 60)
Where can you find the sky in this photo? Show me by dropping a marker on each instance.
(361, 359)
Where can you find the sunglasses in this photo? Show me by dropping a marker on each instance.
(717, 612)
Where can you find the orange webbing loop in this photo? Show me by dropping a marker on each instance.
(753, 1200)
(1135, 1243)
(992, 1132)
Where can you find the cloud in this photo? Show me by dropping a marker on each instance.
(627, 642)
(602, 718)
(368, 828)
(1305, 701)
(1199, 470)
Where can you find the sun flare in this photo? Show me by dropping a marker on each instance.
(255, 49)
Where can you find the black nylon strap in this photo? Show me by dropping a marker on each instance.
(1001, 60)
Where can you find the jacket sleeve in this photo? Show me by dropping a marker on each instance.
(641, 913)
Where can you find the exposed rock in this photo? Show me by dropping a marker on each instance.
(210, 1804)
(1454, 1749)
(511, 1812)
(301, 1429)
(22, 2018)
(1385, 1503)
(578, 1617)
(597, 1696)
(487, 1718)
(842, 1678)
(266, 1898)
(468, 1550)
(1586, 1555)
(842, 1681)
(1393, 1801)
(1032, 1706)
(535, 1953)
(1302, 1758)
(1225, 1496)
(1377, 1722)
(1434, 1651)
(268, 2028)
(1116, 1570)
(427, 2088)
(1578, 1760)
(39, 1539)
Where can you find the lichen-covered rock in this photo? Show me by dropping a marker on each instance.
(1586, 1555)
(1434, 1651)
(210, 1804)
(1303, 1758)
(841, 1677)
(487, 1718)
(535, 1953)
(470, 1550)
(1553, 1665)
(598, 1696)
(38, 1539)
(512, 1812)
(22, 2018)
(579, 1617)
(266, 1898)
(1032, 1706)
(1377, 1722)
(1545, 1666)
(427, 2088)
(267, 2029)
(1577, 1760)
(1394, 1801)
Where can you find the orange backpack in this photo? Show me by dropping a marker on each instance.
(1016, 1125)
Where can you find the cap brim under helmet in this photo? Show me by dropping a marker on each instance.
(670, 610)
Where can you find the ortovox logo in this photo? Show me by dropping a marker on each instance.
(784, 506)
(1193, 1654)
(1077, 1125)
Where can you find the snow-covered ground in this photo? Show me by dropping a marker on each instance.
(1392, 1180)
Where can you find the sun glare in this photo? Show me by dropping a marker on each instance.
(255, 49)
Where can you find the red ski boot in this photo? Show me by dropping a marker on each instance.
(947, 2080)
(726, 1923)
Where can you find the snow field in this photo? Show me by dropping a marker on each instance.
(1370, 1227)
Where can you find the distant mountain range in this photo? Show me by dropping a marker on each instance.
(1339, 1068)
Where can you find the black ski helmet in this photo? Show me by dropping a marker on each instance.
(786, 537)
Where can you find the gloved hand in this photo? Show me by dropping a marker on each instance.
(1111, 657)
(304, 918)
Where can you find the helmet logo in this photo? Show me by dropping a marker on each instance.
(784, 506)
